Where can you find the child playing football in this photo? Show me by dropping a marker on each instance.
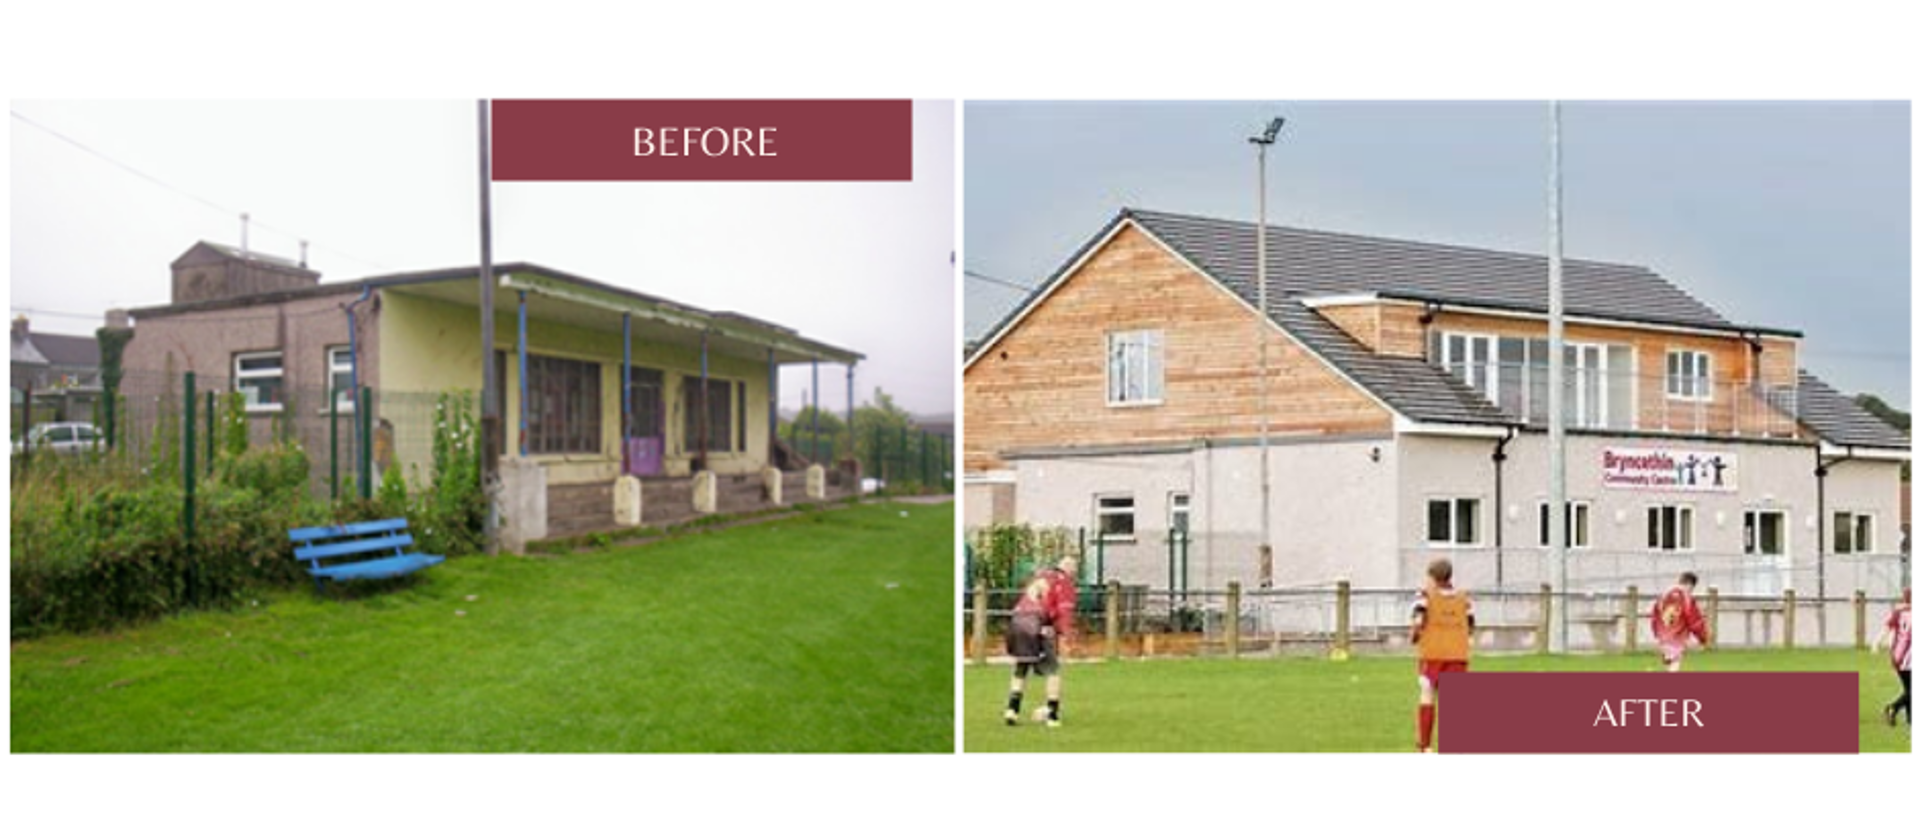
(1041, 620)
(1443, 630)
(1899, 631)
(1675, 618)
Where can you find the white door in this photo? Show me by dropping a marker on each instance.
(1767, 571)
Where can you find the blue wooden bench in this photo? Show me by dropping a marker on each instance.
(361, 550)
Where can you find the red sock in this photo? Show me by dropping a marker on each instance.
(1426, 725)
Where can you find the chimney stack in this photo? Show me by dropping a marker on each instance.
(303, 253)
(244, 250)
(118, 319)
(20, 326)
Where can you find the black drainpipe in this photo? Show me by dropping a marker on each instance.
(1500, 508)
(1820, 513)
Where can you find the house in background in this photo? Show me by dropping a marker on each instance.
(597, 381)
(1406, 406)
(62, 372)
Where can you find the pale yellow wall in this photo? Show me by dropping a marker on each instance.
(429, 346)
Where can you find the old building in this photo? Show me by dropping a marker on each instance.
(597, 380)
(61, 371)
(1406, 412)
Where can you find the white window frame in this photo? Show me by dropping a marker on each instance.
(1699, 383)
(1856, 544)
(1683, 528)
(1486, 369)
(1153, 389)
(1180, 504)
(1132, 510)
(240, 378)
(344, 400)
(1753, 548)
(1454, 518)
(1579, 518)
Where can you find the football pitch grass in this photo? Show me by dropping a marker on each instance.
(828, 631)
(1316, 705)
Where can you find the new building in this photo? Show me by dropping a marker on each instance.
(1405, 409)
(597, 380)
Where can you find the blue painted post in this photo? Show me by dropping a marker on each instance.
(706, 393)
(849, 411)
(626, 387)
(815, 442)
(523, 373)
(773, 404)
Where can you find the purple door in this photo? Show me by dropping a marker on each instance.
(645, 438)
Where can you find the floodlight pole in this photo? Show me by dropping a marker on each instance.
(492, 434)
(1260, 143)
(1556, 391)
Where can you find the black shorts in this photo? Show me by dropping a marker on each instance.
(1032, 650)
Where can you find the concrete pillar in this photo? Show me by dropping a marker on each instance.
(1713, 617)
(770, 477)
(706, 492)
(523, 500)
(1544, 628)
(816, 481)
(1859, 619)
(1790, 613)
(1342, 619)
(626, 501)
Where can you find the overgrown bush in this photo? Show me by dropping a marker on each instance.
(1001, 556)
(98, 545)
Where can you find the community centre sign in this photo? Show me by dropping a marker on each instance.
(1669, 469)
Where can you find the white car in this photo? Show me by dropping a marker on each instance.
(62, 438)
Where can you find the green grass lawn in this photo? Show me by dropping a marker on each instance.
(1314, 705)
(826, 632)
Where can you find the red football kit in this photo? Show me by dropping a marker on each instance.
(1901, 623)
(1675, 618)
(1052, 594)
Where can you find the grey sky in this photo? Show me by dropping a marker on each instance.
(390, 186)
(1793, 215)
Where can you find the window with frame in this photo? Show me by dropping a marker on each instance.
(1453, 522)
(1579, 523)
(563, 406)
(1852, 532)
(1135, 367)
(1113, 517)
(1764, 533)
(718, 409)
(1689, 375)
(340, 376)
(1669, 527)
(261, 377)
(1180, 512)
(1475, 360)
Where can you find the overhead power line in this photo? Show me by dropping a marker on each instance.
(1000, 281)
(202, 200)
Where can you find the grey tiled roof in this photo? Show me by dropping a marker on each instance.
(77, 351)
(1411, 386)
(1310, 262)
(1839, 420)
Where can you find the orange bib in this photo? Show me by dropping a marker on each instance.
(1444, 636)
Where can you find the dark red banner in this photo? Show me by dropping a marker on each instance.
(1650, 712)
(684, 140)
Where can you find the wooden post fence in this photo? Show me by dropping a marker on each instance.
(1233, 619)
(1342, 619)
(1113, 620)
(1859, 619)
(1630, 619)
(1790, 614)
(980, 625)
(1713, 616)
(1542, 631)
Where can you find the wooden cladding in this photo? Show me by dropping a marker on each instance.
(1044, 384)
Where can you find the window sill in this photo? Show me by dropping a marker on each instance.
(272, 408)
(1456, 546)
(1130, 404)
